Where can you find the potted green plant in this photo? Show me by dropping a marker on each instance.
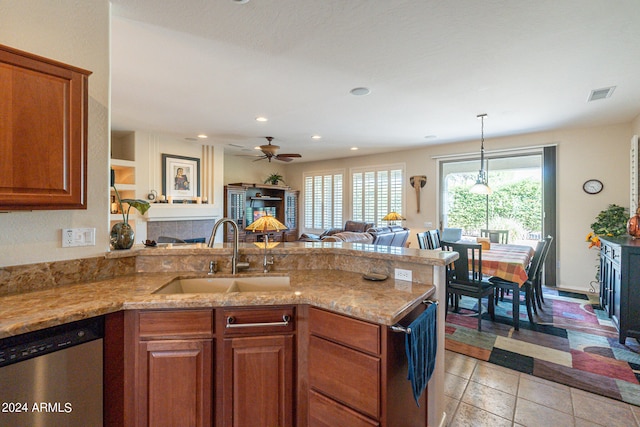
(274, 179)
(122, 234)
(611, 222)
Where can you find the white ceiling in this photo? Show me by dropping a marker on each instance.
(184, 67)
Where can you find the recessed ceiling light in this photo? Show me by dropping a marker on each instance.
(203, 136)
(354, 148)
(191, 139)
(316, 137)
(360, 91)
(261, 119)
(240, 1)
(430, 137)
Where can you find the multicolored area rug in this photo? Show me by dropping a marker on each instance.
(572, 342)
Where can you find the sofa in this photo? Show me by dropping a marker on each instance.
(394, 235)
(349, 226)
(362, 232)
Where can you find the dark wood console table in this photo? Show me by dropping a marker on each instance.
(620, 284)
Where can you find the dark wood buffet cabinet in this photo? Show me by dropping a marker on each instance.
(620, 284)
(43, 133)
(256, 366)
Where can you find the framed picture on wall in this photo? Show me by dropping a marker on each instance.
(180, 177)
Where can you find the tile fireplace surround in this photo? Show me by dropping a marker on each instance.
(185, 229)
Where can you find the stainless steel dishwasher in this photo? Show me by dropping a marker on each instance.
(53, 377)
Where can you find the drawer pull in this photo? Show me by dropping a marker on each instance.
(230, 323)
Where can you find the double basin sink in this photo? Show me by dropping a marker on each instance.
(218, 285)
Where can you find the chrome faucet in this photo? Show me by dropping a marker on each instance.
(235, 265)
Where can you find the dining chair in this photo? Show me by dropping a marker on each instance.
(464, 278)
(532, 272)
(496, 236)
(433, 239)
(422, 240)
(537, 284)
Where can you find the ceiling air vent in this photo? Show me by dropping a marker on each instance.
(601, 93)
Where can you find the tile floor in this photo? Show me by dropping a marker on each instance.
(479, 394)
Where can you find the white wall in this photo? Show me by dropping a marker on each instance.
(149, 148)
(76, 33)
(244, 169)
(599, 152)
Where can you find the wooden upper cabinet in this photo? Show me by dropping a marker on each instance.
(43, 133)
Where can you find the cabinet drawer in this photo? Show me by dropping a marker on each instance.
(176, 324)
(352, 332)
(324, 412)
(244, 321)
(346, 375)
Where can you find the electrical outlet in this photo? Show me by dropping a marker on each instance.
(401, 274)
(67, 237)
(428, 224)
(78, 237)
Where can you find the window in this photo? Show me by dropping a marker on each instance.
(377, 191)
(323, 193)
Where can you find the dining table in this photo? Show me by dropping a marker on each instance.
(509, 262)
(506, 261)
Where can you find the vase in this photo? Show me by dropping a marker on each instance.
(633, 227)
(122, 236)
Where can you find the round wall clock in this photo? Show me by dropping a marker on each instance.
(592, 186)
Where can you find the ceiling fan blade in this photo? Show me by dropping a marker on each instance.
(283, 159)
(289, 155)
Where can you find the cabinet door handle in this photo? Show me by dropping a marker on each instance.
(230, 323)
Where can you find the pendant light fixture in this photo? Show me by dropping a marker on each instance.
(482, 183)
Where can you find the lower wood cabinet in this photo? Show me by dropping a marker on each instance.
(263, 366)
(257, 369)
(175, 383)
(357, 374)
(324, 412)
(159, 368)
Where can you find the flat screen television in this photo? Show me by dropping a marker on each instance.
(255, 213)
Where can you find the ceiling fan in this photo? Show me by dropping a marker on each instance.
(269, 152)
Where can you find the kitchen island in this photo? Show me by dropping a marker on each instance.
(323, 276)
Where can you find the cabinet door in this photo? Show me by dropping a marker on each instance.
(258, 381)
(291, 215)
(605, 282)
(43, 133)
(235, 209)
(175, 383)
(616, 292)
(324, 412)
(345, 375)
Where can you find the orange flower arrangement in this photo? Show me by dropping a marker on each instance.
(594, 240)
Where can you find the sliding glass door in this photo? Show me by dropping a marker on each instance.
(516, 203)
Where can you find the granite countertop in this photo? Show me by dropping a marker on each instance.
(384, 302)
